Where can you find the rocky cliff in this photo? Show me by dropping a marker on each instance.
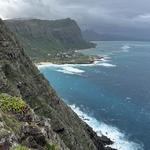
(31, 113)
(45, 39)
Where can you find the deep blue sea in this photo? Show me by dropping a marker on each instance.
(112, 95)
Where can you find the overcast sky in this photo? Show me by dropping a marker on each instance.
(89, 13)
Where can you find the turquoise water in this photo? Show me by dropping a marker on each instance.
(113, 96)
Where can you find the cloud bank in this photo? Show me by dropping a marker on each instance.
(94, 14)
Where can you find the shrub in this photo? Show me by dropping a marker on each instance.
(11, 104)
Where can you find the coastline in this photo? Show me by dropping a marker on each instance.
(119, 138)
(103, 130)
(94, 60)
(108, 140)
(71, 57)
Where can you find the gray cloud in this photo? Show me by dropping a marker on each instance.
(105, 14)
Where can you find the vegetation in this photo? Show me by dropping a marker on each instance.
(19, 147)
(8, 106)
(51, 147)
(12, 123)
(11, 104)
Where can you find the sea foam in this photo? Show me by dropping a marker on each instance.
(106, 65)
(125, 48)
(70, 70)
(75, 68)
(121, 142)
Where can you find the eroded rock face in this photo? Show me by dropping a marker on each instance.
(55, 122)
(7, 137)
(35, 133)
(15, 127)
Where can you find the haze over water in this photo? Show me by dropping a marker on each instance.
(113, 95)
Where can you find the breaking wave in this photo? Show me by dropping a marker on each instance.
(106, 65)
(125, 48)
(121, 142)
(75, 68)
(71, 70)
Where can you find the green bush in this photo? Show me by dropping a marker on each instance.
(12, 104)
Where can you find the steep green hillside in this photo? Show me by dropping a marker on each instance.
(50, 40)
(31, 113)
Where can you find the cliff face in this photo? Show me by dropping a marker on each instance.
(21, 128)
(19, 77)
(44, 39)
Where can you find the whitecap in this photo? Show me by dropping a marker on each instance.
(125, 48)
(106, 65)
(128, 98)
(43, 65)
(75, 68)
(70, 70)
(47, 65)
(121, 142)
(64, 68)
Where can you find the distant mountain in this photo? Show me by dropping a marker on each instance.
(44, 38)
(91, 35)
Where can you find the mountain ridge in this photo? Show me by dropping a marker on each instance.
(49, 40)
(91, 35)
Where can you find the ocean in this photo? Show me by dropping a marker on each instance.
(111, 95)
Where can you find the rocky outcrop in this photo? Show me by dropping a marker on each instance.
(19, 77)
(20, 125)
